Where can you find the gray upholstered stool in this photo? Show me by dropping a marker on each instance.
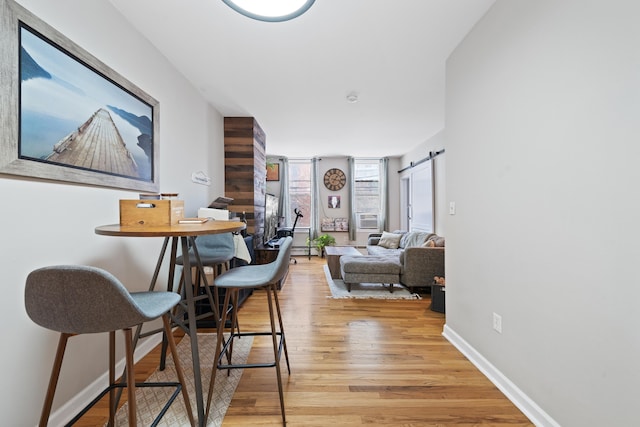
(370, 269)
(215, 250)
(265, 277)
(76, 300)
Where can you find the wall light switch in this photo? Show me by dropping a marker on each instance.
(497, 323)
(452, 208)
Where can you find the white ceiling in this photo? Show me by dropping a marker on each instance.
(294, 76)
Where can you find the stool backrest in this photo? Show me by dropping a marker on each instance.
(281, 263)
(80, 299)
(216, 245)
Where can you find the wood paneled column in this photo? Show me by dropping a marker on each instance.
(245, 170)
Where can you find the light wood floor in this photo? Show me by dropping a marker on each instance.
(356, 363)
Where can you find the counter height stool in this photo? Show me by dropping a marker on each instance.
(215, 251)
(77, 300)
(264, 276)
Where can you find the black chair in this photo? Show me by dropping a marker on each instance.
(77, 300)
(264, 276)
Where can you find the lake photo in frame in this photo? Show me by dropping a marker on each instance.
(73, 116)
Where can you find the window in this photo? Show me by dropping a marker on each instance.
(300, 189)
(367, 193)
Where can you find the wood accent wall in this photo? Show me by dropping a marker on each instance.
(245, 170)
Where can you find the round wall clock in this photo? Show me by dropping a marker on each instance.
(334, 179)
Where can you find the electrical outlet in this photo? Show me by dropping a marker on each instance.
(497, 323)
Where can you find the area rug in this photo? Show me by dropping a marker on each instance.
(366, 290)
(151, 400)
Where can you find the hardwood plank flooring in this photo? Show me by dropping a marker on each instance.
(355, 363)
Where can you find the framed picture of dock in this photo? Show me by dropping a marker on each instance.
(72, 118)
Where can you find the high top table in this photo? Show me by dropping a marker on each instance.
(186, 234)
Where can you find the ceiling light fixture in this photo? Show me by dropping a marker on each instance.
(352, 98)
(270, 10)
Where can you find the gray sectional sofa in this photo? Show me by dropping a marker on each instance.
(421, 255)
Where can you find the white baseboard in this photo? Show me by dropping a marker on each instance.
(66, 412)
(528, 407)
(301, 251)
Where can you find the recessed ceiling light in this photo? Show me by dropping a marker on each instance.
(352, 97)
(270, 10)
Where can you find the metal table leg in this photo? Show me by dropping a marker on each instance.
(188, 306)
(192, 330)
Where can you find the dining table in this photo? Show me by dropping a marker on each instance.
(180, 236)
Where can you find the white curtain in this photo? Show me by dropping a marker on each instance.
(285, 200)
(314, 224)
(352, 200)
(384, 194)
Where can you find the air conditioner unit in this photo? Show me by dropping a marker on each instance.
(368, 221)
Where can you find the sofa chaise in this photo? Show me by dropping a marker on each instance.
(420, 254)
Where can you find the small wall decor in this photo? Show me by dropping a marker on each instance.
(334, 224)
(334, 202)
(341, 224)
(273, 171)
(67, 116)
(327, 224)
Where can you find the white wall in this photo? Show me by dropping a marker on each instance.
(45, 223)
(542, 125)
(342, 163)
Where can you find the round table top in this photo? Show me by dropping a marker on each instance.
(174, 230)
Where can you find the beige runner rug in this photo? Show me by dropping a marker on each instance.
(151, 400)
(366, 290)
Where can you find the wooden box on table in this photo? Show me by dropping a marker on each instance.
(151, 212)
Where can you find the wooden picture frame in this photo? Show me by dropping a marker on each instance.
(55, 95)
(273, 172)
(327, 224)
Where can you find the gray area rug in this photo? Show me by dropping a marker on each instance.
(150, 401)
(366, 290)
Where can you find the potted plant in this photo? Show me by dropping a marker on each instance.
(321, 241)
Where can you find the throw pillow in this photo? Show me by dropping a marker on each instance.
(434, 242)
(389, 240)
